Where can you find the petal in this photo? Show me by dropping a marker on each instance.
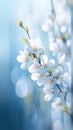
(23, 66)
(19, 59)
(44, 60)
(48, 25)
(22, 58)
(54, 47)
(34, 76)
(54, 105)
(48, 97)
(45, 27)
(39, 83)
(33, 68)
(45, 89)
(57, 104)
(62, 59)
(35, 44)
(57, 72)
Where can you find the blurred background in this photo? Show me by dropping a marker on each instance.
(24, 109)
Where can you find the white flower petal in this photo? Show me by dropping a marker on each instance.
(57, 104)
(23, 66)
(40, 80)
(54, 47)
(19, 59)
(33, 68)
(44, 60)
(39, 83)
(35, 44)
(34, 76)
(22, 58)
(45, 89)
(48, 97)
(47, 25)
(61, 59)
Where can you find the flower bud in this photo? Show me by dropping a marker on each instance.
(65, 109)
(20, 23)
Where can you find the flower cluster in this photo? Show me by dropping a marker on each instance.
(53, 75)
(58, 26)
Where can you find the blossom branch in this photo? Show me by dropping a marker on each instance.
(45, 72)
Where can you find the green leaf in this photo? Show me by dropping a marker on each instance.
(37, 56)
(26, 28)
(50, 69)
(65, 109)
(25, 40)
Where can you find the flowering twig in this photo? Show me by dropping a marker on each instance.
(20, 23)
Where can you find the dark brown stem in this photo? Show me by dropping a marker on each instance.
(59, 88)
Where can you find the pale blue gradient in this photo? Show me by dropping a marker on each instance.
(16, 113)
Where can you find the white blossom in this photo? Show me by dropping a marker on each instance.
(36, 76)
(34, 67)
(48, 25)
(54, 47)
(23, 59)
(57, 104)
(48, 96)
(44, 61)
(35, 45)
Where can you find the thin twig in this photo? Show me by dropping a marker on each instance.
(59, 88)
(26, 32)
(53, 10)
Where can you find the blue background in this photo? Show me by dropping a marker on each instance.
(15, 114)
